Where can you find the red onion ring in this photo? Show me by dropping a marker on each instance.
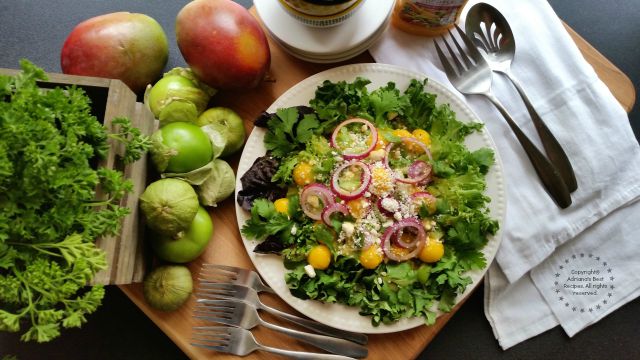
(361, 155)
(421, 171)
(322, 192)
(409, 223)
(365, 180)
(329, 210)
(387, 238)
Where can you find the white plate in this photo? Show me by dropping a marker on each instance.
(329, 59)
(363, 46)
(271, 267)
(334, 40)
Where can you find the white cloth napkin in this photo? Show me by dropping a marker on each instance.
(522, 298)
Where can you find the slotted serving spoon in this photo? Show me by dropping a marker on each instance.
(491, 33)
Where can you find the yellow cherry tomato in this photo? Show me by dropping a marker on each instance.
(282, 206)
(402, 133)
(409, 145)
(381, 143)
(432, 251)
(358, 207)
(371, 257)
(422, 135)
(319, 257)
(303, 174)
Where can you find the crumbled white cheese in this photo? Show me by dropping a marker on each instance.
(397, 215)
(294, 229)
(367, 194)
(310, 271)
(387, 224)
(390, 204)
(348, 228)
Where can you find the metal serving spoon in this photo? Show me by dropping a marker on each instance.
(491, 33)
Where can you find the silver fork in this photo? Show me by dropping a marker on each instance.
(230, 274)
(237, 341)
(250, 296)
(237, 313)
(474, 77)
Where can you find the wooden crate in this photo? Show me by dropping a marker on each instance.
(126, 257)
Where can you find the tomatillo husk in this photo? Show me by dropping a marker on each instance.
(167, 287)
(169, 205)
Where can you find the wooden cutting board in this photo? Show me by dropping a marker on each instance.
(226, 246)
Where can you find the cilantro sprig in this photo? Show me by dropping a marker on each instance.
(288, 131)
(49, 214)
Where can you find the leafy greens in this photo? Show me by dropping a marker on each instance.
(392, 290)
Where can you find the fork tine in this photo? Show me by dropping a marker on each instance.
(213, 316)
(472, 50)
(217, 286)
(219, 320)
(210, 347)
(454, 57)
(211, 330)
(219, 302)
(213, 312)
(217, 271)
(216, 338)
(207, 296)
(463, 54)
(215, 305)
(216, 289)
(213, 334)
(445, 62)
(215, 278)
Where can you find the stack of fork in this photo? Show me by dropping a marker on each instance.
(228, 296)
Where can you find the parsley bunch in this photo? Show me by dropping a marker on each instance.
(49, 213)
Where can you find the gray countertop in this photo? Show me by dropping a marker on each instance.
(35, 29)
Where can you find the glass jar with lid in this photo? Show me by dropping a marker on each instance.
(426, 17)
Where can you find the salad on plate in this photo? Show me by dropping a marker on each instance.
(372, 199)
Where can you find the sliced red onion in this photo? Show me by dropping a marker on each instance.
(322, 192)
(387, 236)
(365, 180)
(412, 223)
(351, 155)
(420, 170)
(396, 230)
(329, 210)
